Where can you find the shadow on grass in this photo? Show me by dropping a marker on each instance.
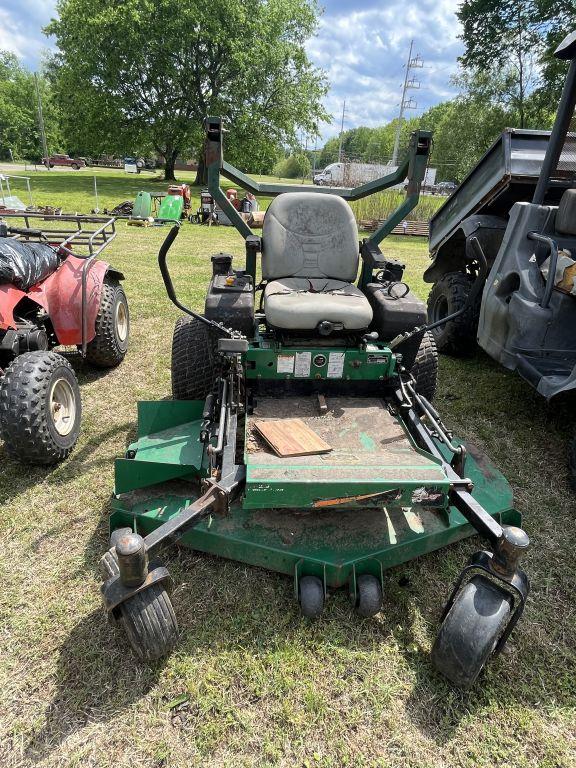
(94, 682)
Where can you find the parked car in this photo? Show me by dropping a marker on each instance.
(66, 160)
(446, 187)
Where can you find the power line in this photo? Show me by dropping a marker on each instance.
(407, 103)
(41, 120)
(341, 131)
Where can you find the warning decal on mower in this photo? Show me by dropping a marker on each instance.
(302, 365)
(335, 365)
(285, 364)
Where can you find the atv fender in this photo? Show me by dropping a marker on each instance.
(60, 295)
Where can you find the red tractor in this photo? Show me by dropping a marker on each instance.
(54, 292)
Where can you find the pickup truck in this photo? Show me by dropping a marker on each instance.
(65, 160)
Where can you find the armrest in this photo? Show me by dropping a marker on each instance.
(254, 243)
(372, 256)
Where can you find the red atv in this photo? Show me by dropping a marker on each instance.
(54, 291)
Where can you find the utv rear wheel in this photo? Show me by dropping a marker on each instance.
(471, 630)
(108, 348)
(448, 295)
(40, 408)
(425, 368)
(150, 623)
(194, 360)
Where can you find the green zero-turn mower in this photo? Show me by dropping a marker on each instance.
(356, 363)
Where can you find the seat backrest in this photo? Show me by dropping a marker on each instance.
(309, 235)
(566, 214)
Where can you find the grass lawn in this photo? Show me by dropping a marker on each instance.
(251, 683)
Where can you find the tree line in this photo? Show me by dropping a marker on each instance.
(138, 77)
(508, 78)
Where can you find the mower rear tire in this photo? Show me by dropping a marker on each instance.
(40, 408)
(369, 596)
(471, 630)
(108, 348)
(311, 596)
(425, 367)
(195, 364)
(456, 337)
(150, 623)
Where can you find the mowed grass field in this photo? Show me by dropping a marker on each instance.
(251, 683)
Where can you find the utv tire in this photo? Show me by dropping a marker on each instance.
(425, 368)
(448, 295)
(469, 633)
(108, 348)
(150, 623)
(40, 408)
(195, 362)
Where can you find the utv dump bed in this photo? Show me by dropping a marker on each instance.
(505, 175)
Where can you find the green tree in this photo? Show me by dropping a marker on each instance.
(149, 71)
(293, 167)
(19, 134)
(503, 37)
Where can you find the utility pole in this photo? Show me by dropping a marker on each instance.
(341, 132)
(412, 63)
(41, 119)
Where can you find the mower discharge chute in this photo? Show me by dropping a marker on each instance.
(349, 360)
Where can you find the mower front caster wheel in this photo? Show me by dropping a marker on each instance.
(369, 596)
(311, 596)
(471, 630)
(150, 623)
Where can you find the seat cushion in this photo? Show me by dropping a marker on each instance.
(566, 214)
(299, 303)
(307, 234)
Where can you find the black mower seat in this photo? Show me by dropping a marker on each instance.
(310, 258)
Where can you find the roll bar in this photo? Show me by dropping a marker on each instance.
(413, 168)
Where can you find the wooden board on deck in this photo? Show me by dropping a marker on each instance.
(291, 437)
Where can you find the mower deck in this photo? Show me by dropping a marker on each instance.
(332, 540)
(372, 458)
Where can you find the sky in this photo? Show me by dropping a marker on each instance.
(361, 44)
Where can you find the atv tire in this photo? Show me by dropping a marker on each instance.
(425, 367)
(40, 408)
(108, 348)
(195, 364)
(456, 337)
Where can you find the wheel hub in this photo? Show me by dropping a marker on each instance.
(121, 321)
(62, 407)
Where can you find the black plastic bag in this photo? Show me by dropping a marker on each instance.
(25, 264)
